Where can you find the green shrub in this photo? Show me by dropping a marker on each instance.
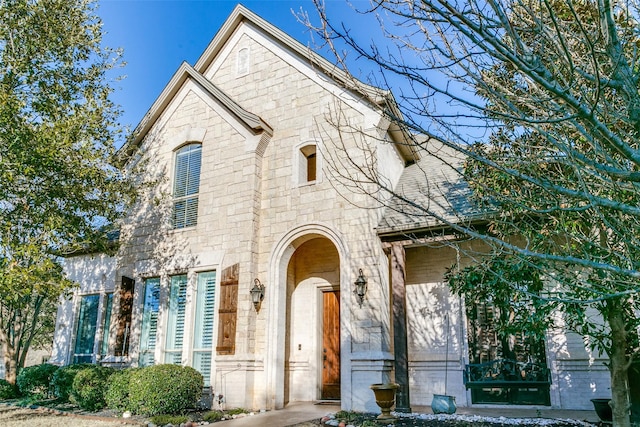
(347, 416)
(237, 411)
(8, 390)
(163, 420)
(89, 386)
(62, 380)
(117, 393)
(164, 389)
(213, 416)
(36, 380)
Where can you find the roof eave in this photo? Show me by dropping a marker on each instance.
(390, 233)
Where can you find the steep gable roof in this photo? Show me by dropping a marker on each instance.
(241, 14)
(379, 98)
(186, 72)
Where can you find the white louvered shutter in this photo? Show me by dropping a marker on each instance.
(149, 321)
(204, 323)
(175, 324)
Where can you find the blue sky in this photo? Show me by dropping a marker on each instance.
(157, 35)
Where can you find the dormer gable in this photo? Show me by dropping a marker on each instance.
(252, 122)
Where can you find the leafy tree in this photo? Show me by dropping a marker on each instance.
(541, 100)
(58, 189)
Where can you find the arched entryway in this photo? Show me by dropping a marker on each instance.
(305, 306)
(312, 341)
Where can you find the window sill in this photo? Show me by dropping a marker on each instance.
(307, 183)
(191, 227)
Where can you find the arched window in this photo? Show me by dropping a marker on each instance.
(186, 186)
(242, 61)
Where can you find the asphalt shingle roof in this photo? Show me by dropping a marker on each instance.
(431, 193)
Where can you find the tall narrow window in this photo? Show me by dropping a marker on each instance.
(86, 332)
(175, 324)
(186, 186)
(149, 321)
(124, 317)
(106, 324)
(203, 332)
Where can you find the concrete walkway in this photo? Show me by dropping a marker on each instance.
(295, 413)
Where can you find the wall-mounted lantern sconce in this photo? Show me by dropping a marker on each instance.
(257, 294)
(360, 287)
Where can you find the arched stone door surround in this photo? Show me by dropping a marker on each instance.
(277, 302)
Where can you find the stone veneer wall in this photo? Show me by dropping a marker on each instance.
(249, 200)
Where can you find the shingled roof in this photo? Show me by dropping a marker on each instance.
(432, 194)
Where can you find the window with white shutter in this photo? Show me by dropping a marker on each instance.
(149, 321)
(204, 322)
(106, 324)
(186, 186)
(175, 323)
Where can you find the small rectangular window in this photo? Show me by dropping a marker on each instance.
(308, 164)
(311, 167)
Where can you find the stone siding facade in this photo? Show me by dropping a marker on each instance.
(259, 214)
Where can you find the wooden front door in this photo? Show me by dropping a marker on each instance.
(331, 345)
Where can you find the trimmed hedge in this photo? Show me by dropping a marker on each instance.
(36, 380)
(89, 386)
(8, 390)
(117, 394)
(165, 389)
(62, 380)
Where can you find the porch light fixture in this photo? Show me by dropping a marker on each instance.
(257, 294)
(360, 287)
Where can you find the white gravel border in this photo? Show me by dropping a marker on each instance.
(501, 420)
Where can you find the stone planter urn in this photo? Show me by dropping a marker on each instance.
(385, 398)
(603, 409)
